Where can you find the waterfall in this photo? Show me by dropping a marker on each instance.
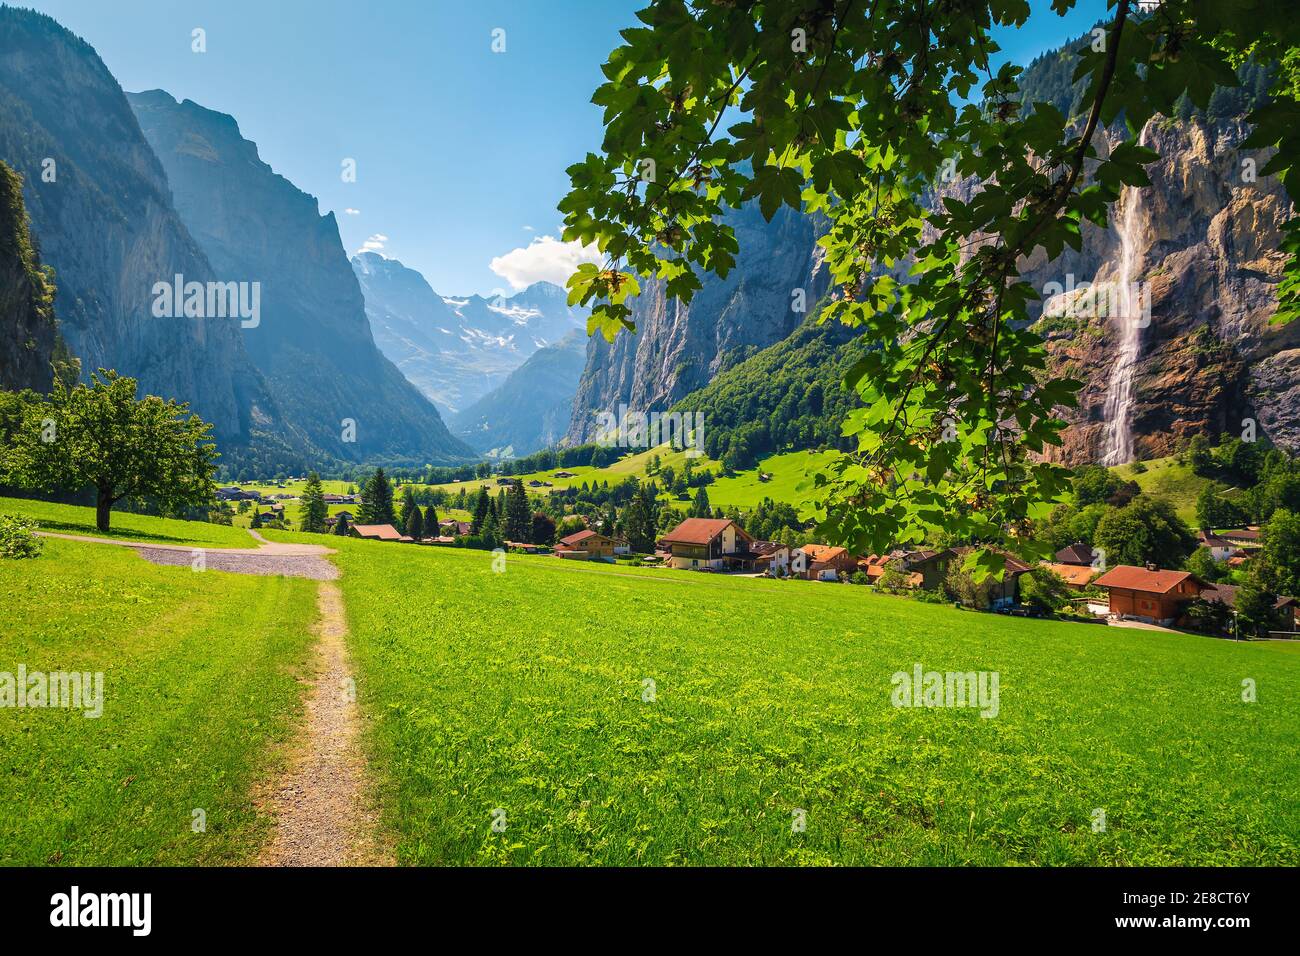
(1130, 317)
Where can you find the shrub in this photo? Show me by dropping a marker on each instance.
(18, 537)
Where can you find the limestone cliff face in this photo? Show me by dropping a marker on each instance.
(312, 342)
(1206, 237)
(29, 337)
(102, 214)
(681, 347)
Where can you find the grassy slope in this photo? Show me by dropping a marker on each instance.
(199, 682)
(74, 519)
(522, 691)
(1166, 478)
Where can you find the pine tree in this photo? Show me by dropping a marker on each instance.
(376, 501)
(312, 507)
(431, 524)
(519, 519)
(700, 508)
(482, 508)
(341, 525)
(408, 506)
(414, 523)
(640, 519)
(256, 520)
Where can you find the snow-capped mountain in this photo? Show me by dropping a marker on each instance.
(456, 349)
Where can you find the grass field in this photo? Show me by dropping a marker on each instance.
(522, 692)
(199, 683)
(75, 519)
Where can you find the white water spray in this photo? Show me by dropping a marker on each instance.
(1131, 315)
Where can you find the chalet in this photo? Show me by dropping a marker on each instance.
(826, 563)
(621, 545)
(585, 545)
(237, 494)
(525, 546)
(1220, 548)
(535, 483)
(933, 566)
(508, 482)
(376, 532)
(770, 557)
(713, 543)
(1077, 576)
(455, 528)
(1149, 594)
(1242, 537)
(1239, 559)
(1288, 608)
(564, 474)
(1078, 554)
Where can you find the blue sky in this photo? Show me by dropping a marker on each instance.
(460, 151)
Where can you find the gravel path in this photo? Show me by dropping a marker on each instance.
(324, 812)
(269, 557)
(243, 562)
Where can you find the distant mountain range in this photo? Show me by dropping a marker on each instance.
(530, 410)
(456, 349)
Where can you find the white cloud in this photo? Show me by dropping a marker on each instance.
(544, 259)
(352, 212)
(529, 229)
(374, 244)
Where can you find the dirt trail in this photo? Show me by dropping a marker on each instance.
(324, 815)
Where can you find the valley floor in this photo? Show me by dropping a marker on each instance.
(545, 712)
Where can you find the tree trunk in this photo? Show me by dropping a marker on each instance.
(103, 504)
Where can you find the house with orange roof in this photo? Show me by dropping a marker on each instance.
(585, 545)
(377, 532)
(714, 543)
(1077, 576)
(1150, 594)
(826, 562)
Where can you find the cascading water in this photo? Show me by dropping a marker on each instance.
(1127, 311)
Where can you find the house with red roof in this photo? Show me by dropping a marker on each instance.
(714, 543)
(1150, 594)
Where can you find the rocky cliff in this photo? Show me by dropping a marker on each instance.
(678, 347)
(29, 337)
(312, 340)
(102, 214)
(1205, 236)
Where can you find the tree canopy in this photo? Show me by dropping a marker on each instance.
(861, 110)
(99, 435)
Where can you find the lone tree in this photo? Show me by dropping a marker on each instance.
(341, 525)
(312, 505)
(861, 111)
(100, 435)
(431, 527)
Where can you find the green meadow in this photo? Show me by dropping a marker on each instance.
(200, 682)
(79, 520)
(525, 696)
